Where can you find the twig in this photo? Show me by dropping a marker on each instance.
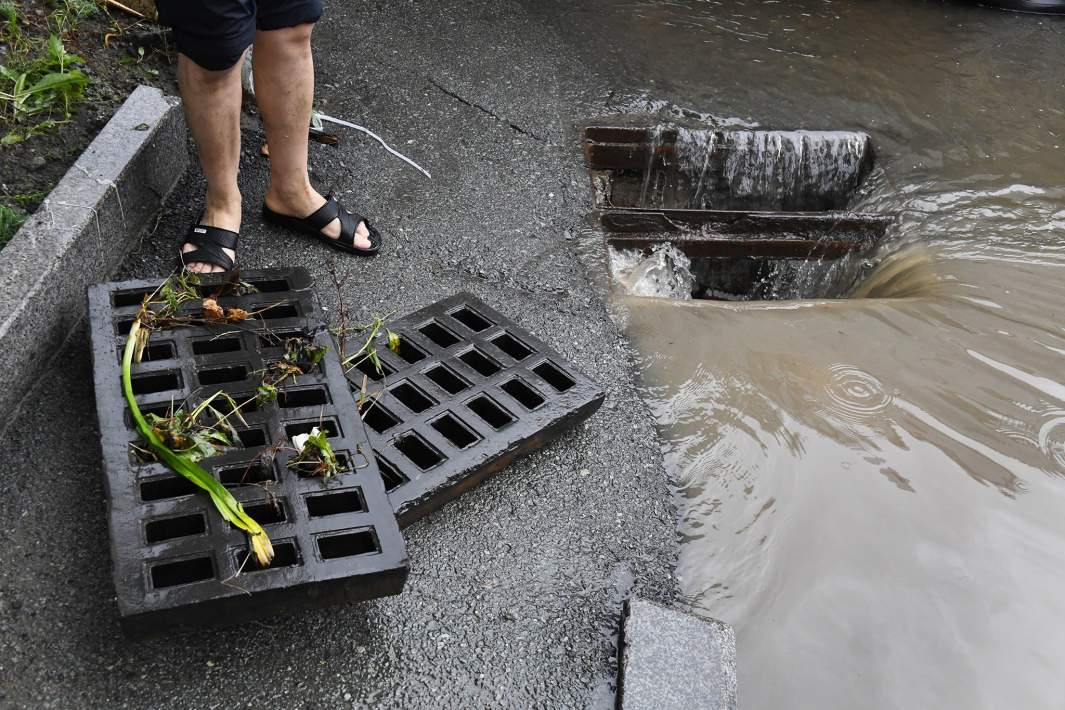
(124, 8)
(342, 312)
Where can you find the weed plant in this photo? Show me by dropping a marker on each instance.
(40, 81)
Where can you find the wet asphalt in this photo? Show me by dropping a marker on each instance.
(515, 589)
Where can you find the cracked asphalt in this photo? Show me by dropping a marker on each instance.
(515, 589)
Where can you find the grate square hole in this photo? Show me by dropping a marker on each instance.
(212, 346)
(377, 417)
(471, 319)
(277, 311)
(320, 506)
(391, 475)
(447, 380)
(409, 351)
(439, 334)
(271, 285)
(123, 326)
(330, 426)
(286, 554)
(267, 512)
(156, 382)
(245, 474)
(512, 346)
(358, 542)
(367, 368)
(277, 338)
(411, 397)
(170, 487)
(525, 395)
(163, 350)
(554, 376)
(170, 528)
(481, 363)
(452, 429)
(419, 451)
(222, 375)
(490, 412)
(250, 438)
(122, 299)
(290, 399)
(173, 574)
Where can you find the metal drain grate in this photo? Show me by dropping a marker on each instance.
(173, 556)
(468, 391)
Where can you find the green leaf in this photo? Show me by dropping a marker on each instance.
(54, 81)
(12, 138)
(393, 341)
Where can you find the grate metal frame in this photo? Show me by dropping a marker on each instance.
(471, 446)
(328, 551)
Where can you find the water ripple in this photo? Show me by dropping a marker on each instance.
(855, 395)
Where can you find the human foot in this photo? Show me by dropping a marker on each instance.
(214, 239)
(304, 203)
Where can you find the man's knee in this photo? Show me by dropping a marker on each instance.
(297, 35)
(216, 70)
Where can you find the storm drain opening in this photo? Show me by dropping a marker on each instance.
(734, 214)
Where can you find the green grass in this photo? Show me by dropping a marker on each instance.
(40, 81)
(10, 221)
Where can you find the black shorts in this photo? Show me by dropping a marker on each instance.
(215, 33)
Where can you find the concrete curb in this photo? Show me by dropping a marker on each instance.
(671, 660)
(82, 232)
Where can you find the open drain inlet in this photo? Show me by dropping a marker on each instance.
(734, 215)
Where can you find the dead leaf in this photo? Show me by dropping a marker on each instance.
(212, 311)
(236, 315)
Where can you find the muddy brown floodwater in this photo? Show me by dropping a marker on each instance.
(873, 490)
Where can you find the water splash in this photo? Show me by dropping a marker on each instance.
(907, 273)
(666, 273)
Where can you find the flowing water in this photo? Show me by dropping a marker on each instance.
(872, 490)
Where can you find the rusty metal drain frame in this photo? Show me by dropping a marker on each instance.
(174, 559)
(517, 394)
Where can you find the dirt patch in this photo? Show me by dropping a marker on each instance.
(118, 53)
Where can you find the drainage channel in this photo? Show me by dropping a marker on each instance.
(734, 214)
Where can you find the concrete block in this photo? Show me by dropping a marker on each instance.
(83, 230)
(673, 660)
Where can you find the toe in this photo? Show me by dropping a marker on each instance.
(362, 237)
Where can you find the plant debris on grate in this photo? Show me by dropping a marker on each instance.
(466, 392)
(175, 560)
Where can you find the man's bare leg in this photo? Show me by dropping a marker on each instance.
(212, 108)
(284, 89)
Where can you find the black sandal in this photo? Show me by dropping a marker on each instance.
(209, 242)
(314, 223)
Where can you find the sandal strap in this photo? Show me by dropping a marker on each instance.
(201, 235)
(324, 214)
(209, 242)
